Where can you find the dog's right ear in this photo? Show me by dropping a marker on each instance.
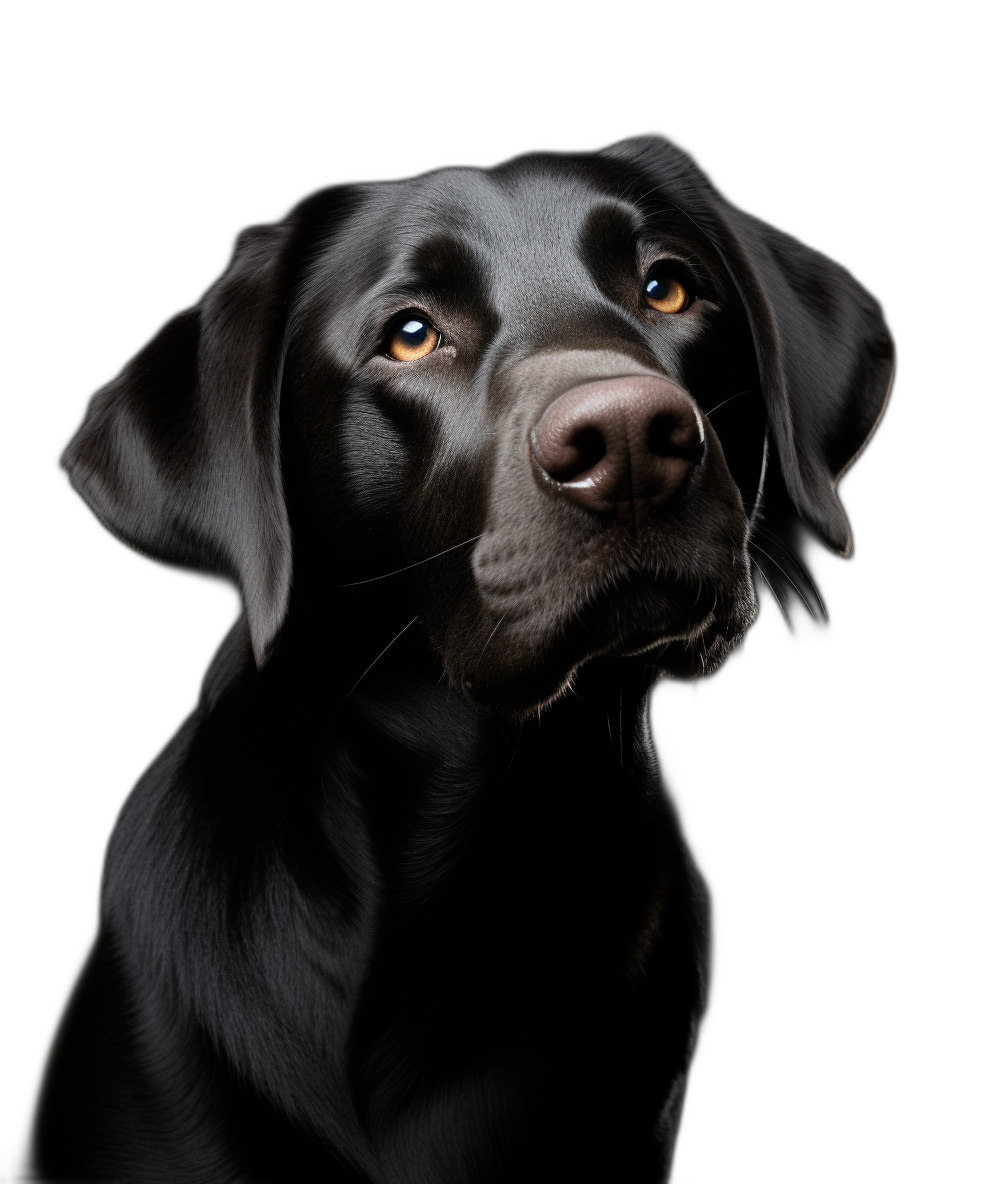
(180, 455)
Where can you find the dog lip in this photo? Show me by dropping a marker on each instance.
(522, 702)
(632, 647)
(647, 642)
(690, 635)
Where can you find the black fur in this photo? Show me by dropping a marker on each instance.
(404, 899)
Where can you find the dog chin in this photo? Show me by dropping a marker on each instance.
(695, 658)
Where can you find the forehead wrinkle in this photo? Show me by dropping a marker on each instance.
(510, 215)
(521, 227)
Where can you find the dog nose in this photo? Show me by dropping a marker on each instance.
(618, 445)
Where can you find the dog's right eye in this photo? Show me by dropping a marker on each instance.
(412, 337)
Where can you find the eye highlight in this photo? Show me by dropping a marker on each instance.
(412, 337)
(663, 290)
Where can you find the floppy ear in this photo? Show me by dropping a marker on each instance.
(825, 355)
(180, 455)
(826, 362)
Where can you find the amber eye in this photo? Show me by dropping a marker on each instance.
(663, 291)
(412, 337)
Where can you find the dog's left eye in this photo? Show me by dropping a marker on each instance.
(412, 337)
(663, 289)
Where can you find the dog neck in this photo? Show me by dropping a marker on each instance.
(404, 763)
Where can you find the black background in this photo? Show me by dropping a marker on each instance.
(814, 771)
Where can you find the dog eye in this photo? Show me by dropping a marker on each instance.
(412, 337)
(663, 290)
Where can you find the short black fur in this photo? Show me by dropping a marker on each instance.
(404, 900)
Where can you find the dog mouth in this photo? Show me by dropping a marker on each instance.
(641, 616)
(659, 626)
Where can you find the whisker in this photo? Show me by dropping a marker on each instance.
(785, 575)
(384, 651)
(510, 763)
(419, 562)
(773, 590)
(490, 638)
(663, 649)
(796, 559)
(589, 707)
(685, 215)
(737, 395)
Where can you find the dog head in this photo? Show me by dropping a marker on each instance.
(553, 395)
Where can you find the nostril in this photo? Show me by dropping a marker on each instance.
(590, 446)
(575, 453)
(674, 434)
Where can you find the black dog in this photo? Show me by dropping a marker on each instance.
(487, 453)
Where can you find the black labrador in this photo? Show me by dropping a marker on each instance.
(487, 453)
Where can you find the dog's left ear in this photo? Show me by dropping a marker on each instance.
(826, 362)
(825, 355)
(180, 455)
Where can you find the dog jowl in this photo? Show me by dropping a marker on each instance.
(487, 453)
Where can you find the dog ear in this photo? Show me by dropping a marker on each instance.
(825, 355)
(180, 455)
(826, 362)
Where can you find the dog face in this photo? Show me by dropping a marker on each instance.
(551, 391)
